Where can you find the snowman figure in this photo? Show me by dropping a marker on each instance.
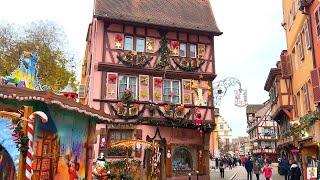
(100, 171)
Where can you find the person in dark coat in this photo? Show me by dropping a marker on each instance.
(217, 163)
(249, 166)
(284, 167)
(295, 172)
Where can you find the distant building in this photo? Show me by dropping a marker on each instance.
(262, 131)
(224, 133)
(241, 146)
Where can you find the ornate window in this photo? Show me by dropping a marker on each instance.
(128, 82)
(182, 161)
(171, 91)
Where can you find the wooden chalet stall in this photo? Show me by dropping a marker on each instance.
(150, 64)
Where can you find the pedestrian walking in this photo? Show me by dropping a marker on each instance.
(267, 171)
(249, 166)
(221, 167)
(295, 171)
(217, 163)
(284, 167)
(257, 169)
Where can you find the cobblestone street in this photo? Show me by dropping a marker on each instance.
(239, 173)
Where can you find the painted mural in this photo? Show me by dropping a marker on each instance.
(6, 141)
(60, 146)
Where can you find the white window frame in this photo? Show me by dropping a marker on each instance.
(307, 34)
(128, 77)
(171, 98)
(185, 49)
(299, 45)
(317, 10)
(195, 50)
(144, 44)
(124, 44)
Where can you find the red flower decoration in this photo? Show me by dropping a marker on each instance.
(118, 38)
(175, 44)
(158, 82)
(112, 78)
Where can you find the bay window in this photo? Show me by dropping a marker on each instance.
(171, 91)
(128, 82)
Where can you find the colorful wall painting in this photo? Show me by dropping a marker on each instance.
(6, 141)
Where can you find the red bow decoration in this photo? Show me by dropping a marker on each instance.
(118, 38)
(174, 44)
(158, 82)
(112, 77)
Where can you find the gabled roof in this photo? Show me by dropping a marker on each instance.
(24, 94)
(253, 108)
(186, 14)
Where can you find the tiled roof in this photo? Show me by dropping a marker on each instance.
(185, 14)
(24, 94)
(253, 108)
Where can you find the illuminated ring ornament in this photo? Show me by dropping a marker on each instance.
(220, 89)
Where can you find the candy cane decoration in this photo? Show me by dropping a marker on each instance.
(43, 117)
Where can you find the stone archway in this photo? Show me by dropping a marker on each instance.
(7, 141)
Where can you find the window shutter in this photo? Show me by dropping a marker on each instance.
(112, 85)
(157, 89)
(169, 161)
(307, 34)
(315, 84)
(186, 91)
(143, 87)
(285, 61)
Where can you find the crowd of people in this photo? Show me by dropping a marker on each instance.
(260, 166)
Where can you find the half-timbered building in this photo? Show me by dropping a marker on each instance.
(262, 131)
(150, 64)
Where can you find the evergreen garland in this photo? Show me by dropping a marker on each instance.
(164, 53)
(21, 139)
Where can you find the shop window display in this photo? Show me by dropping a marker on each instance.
(182, 161)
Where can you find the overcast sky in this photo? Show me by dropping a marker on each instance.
(250, 45)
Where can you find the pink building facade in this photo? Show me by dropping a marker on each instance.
(151, 72)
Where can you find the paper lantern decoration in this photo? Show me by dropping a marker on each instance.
(201, 50)
(174, 45)
(150, 44)
(118, 41)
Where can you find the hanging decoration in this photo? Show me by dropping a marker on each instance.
(198, 120)
(112, 78)
(188, 64)
(134, 59)
(150, 44)
(118, 41)
(199, 87)
(21, 139)
(155, 162)
(164, 53)
(174, 45)
(201, 50)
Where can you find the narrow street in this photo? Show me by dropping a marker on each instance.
(239, 173)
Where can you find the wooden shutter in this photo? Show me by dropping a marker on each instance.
(143, 87)
(157, 89)
(112, 85)
(315, 84)
(169, 161)
(285, 61)
(186, 91)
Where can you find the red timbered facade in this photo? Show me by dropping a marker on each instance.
(150, 66)
(262, 131)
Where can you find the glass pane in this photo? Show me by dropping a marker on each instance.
(128, 43)
(140, 45)
(182, 50)
(175, 100)
(166, 98)
(193, 50)
(133, 85)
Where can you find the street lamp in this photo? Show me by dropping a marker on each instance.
(189, 176)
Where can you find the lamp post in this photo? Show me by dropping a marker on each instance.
(189, 176)
(197, 174)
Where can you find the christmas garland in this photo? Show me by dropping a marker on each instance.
(21, 139)
(164, 53)
(134, 60)
(189, 65)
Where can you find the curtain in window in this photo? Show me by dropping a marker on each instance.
(122, 85)
(166, 90)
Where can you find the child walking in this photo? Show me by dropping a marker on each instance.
(267, 171)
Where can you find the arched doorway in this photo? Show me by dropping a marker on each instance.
(9, 154)
(7, 168)
(182, 162)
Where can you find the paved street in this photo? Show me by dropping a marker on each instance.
(241, 174)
